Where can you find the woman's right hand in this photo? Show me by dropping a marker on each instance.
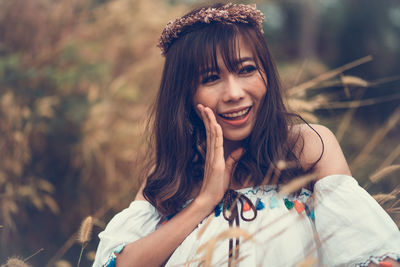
(217, 170)
(161, 243)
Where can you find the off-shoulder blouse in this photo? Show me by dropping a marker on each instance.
(339, 224)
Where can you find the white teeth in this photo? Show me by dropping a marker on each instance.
(236, 114)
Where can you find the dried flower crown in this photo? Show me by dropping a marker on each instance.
(229, 14)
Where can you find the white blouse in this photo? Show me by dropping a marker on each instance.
(340, 224)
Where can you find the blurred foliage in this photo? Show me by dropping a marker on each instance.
(77, 79)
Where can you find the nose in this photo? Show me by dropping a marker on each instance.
(233, 90)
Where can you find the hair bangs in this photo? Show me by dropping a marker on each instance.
(217, 39)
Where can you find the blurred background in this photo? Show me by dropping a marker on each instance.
(77, 78)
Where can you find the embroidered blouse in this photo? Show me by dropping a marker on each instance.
(339, 224)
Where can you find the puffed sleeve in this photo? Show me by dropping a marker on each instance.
(131, 224)
(353, 228)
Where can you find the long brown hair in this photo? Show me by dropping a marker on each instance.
(178, 132)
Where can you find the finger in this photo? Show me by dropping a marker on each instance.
(219, 144)
(211, 148)
(206, 127)
(233, 158)
(217, 130)
(216, 139)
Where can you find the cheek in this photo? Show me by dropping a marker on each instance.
(206, 98)
(258, 86)
(263, 88)
(260, 91)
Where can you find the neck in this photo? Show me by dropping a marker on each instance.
(230, 146)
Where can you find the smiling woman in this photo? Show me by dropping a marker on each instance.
(226, 152)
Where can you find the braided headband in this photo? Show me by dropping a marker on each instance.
(229, 14)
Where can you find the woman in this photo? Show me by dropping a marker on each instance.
(221, 135)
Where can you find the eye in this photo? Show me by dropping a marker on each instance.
(247, 69)
(209, 78)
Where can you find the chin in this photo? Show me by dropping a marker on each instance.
(236, 136)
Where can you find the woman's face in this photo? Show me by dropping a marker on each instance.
(234, 97)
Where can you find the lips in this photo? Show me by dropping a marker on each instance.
(236, 118)
(236, 115)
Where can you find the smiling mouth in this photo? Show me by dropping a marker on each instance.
(236, 115)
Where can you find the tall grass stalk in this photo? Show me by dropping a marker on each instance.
(85, 232)
(34, 254)
(15, 262)
(392, 157)
(299, 89)
(375, 140)
(378, 175)
(345, 122)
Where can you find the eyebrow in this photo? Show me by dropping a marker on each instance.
(244, 59)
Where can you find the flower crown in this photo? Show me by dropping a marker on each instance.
(229, 14)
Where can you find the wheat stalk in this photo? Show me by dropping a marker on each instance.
(205, 226)
(326, 76)
(383, 198)
(361, 103)
(378, 136)
(209, 246)
(84, 235)
(15, 262)
(392, 156)
(345, 122)
(378, 175)
(309, 261)
(85, 230)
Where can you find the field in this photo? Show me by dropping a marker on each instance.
(77, 81)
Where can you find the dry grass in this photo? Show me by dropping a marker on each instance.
(392, 121)
(85, 231)
(15, 262)
(375, 177)
(208, 248)
(81, 52)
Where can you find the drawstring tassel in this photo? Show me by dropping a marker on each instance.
(246, 206)
(231, 214)
(259, 204)
(289, 204)
(310, 213)
(273, 203)
(298, 206)
(217, 210)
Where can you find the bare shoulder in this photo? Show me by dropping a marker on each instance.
(317, 143)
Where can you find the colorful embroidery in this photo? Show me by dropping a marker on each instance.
(289, 204)
(246, 206)
(385, 264)
(218, 210)
(273, 203)
(259, 204)
(310, 213)
(298, 206)
(111, 260)
(380, 260)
